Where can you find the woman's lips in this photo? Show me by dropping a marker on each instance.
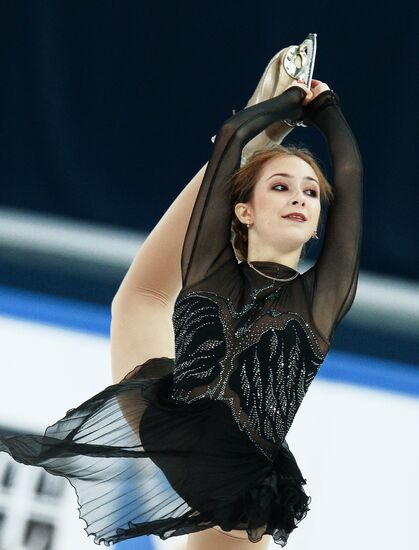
(300, 220)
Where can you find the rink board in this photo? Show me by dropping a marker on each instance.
(355, 436)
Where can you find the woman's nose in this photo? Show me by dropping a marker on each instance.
(299, 200)
(299, 196)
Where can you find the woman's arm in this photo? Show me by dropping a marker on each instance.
(163, 245)
(335, 275)
(207, 243)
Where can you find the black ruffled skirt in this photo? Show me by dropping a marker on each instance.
(143, 464)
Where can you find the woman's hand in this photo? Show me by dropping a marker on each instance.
(317, 87)
(300, 84)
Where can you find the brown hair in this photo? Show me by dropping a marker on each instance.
(243, 182)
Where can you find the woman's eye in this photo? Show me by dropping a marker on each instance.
(313, 192)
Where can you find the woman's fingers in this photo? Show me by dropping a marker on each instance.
(317, 87)
(307, 90)
(309, 93)
(309, 97)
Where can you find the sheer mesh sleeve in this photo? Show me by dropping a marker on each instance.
(207, 243)
(335, 274)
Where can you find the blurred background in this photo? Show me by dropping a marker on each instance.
(107, 110)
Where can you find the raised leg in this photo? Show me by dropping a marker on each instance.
(141, 325)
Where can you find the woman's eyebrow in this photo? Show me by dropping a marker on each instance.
(291, 176)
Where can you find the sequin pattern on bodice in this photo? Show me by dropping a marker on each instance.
(257, 360)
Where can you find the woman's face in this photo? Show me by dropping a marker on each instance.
(286, 184)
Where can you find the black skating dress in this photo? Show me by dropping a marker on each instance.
(182, 445)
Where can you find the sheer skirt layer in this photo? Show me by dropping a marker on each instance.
(143, 464)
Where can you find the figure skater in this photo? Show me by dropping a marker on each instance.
(216, 337)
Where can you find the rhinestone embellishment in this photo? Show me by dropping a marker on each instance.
(259, 361)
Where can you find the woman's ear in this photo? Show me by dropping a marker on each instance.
(243, 212)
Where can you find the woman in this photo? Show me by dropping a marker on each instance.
(196, 444)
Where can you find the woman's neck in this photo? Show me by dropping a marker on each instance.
(290, 259)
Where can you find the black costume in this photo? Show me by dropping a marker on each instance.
(210, 448)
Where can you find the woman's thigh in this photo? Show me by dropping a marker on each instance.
(216, 538)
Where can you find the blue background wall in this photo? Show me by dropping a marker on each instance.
(107, 107)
